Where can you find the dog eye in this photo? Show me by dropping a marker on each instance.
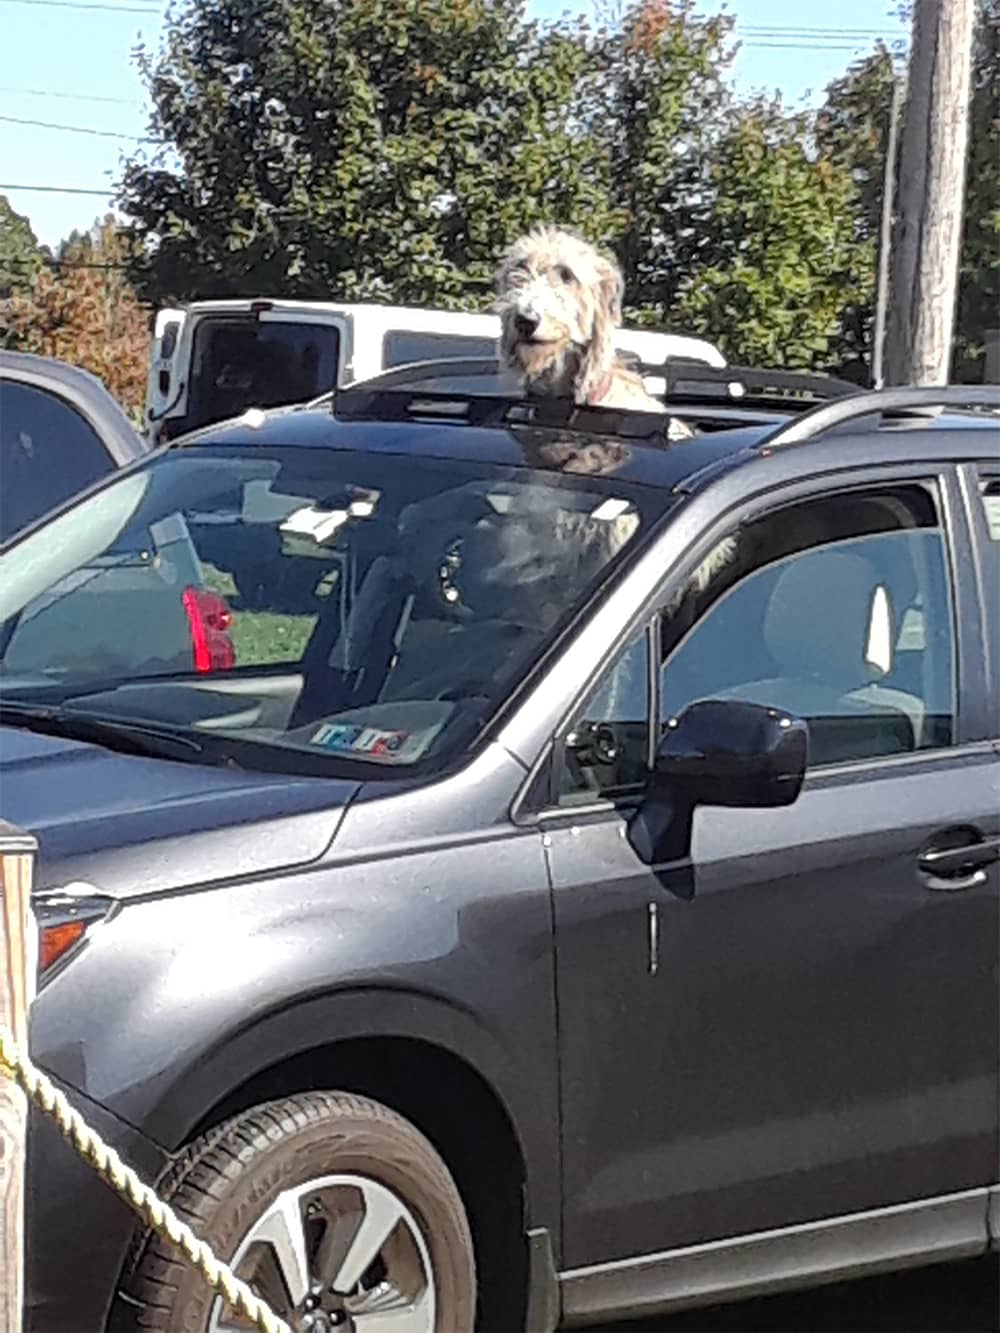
(564, 274)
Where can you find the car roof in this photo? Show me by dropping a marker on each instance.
(83, 391)
(661, 464)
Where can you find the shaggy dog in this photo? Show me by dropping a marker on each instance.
(560, 301)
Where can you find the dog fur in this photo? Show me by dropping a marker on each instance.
(560, 301)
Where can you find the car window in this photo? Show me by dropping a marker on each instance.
(606, 753)
(990, 490)
(853, 632)
(838, 610)
(48, 453)
(240, 363)
(401, 347)
(325, 604)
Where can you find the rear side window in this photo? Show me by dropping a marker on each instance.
(402, 347)
(990, 488)
(48, 453)
(241, 363)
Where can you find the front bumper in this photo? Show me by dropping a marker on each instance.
(77, 1229)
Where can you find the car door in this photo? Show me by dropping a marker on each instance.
(983, 484)
(798, 1020)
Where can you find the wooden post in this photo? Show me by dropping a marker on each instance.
(885, 237)
(928, 238)
(991, 364)
(17, 983)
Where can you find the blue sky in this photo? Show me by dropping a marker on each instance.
(74, 67)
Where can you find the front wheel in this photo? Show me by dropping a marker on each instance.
(338, 1213)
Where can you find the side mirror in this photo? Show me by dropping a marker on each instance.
(717, 752)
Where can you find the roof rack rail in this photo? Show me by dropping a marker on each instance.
(686, 378)
(901, 403)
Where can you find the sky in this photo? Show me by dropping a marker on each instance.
(70, 63)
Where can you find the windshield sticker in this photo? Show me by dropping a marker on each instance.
(357, 739)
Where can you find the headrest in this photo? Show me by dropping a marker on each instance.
(819, 619)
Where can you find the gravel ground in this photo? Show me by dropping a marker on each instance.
(952, 1298)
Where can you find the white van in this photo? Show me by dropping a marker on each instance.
(214, 359)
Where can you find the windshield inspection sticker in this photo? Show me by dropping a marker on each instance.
(357, 739)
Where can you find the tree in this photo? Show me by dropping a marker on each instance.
(21, 257)
(979, 278)
(389, 150)
(84, 311)
(666, 115)
(778, 247)
(357, 149)
(853, 128)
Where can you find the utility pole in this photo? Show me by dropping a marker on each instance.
(885, 238)
(925, 260)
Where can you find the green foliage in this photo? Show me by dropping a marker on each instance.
(979, 280)
(21, 257)
(362, 149)
(389, 149)
(777, 249)
(853, 129)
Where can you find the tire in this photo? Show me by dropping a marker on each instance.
(229, 1179)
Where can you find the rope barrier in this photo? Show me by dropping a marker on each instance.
(159, 1216)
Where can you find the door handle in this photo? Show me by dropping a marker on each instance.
(950, 869)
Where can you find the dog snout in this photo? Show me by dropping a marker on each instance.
(526, 323)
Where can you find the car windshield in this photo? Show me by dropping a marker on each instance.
(303, 608)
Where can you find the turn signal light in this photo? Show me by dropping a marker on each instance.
(55, 941)
(64, 919)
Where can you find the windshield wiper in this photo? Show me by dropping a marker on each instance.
(129, 737)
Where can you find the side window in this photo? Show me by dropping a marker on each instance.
(849, 626)
(48, 453)
(990, 490)
(607, 752)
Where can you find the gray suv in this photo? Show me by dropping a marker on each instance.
(579, 899)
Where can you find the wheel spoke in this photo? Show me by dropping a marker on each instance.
(281, 1228)
(381, 1214)
(395, 1314)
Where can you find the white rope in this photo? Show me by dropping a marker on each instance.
(110, 1167)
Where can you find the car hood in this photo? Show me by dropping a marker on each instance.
(127, 826)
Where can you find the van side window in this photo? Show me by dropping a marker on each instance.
(401, 347)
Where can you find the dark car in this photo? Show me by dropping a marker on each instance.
(60, 431)
(582, 902)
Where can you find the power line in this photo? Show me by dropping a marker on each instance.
(27, 267)
(70, 97)
(795, 30)
(76, 129)
(58, 189)
(803, 46)
(86, 4)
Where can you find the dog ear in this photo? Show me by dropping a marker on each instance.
(599, 355)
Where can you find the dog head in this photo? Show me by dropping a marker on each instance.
(559, 301)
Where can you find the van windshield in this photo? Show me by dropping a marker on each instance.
(238, 363)
(297, 608)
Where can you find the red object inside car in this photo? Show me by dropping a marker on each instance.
(210, 619)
